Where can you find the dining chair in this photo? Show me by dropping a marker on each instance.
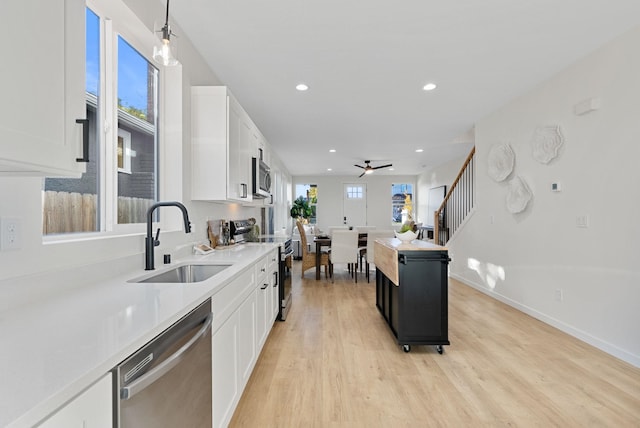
(371, 239)
(332, 228)
(362, 249)
(344, 249)
(308, 257)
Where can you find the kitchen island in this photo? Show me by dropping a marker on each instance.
(411, 291)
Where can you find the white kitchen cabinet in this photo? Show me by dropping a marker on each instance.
(268, 297)
(222, 146)
(225, 356)
(234, 344)
(91, 409)
(274, 265)
(42, 82)
(264, 296)
(247, 354)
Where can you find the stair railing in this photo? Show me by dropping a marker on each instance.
(457, 204)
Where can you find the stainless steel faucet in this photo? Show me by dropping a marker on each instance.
(150, 241)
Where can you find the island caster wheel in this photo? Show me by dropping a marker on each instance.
(440, 349)
(406, 348)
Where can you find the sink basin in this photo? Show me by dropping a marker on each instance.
(185, 274)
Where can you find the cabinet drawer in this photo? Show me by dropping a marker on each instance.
(227, 300)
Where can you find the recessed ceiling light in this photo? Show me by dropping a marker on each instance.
(419, 150)
(302, 87)
(429, 86)
(329, 169)
(332, 150)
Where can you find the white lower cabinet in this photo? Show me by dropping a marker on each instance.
(225, 371)
(247, 354)
(263, 291)
(91, 409)
(274, 268)
(243, 314)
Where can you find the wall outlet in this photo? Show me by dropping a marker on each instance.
(559, 295)
(582, 220)
(10, 234)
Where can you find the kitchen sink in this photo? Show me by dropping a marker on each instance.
(185, 274)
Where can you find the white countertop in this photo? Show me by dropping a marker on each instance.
(52, 348)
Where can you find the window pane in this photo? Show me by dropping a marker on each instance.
(72, 205)
(137, 134)
(309, 192)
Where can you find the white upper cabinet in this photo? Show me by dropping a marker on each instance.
(42, 82)
(222, 146)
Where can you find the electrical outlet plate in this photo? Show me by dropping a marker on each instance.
(10, 233)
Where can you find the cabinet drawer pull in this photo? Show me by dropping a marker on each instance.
(85, 140)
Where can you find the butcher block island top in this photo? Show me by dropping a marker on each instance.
(386, 254)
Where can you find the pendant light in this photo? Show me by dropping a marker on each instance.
(163, 54)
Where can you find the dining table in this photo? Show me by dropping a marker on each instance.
(325, 241)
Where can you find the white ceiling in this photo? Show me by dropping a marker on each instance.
(366, 62)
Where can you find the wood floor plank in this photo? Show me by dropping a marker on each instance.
(335, 363)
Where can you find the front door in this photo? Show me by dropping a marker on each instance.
(354, 204)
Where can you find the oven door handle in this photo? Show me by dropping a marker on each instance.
(141, 383)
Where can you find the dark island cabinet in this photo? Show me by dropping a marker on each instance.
(417, 308)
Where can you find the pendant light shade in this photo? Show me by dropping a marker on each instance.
(164, 54)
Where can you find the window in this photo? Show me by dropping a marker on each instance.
(309, 192)
(73, 205)
(355, 192)
(401, 203)
(137, 116)
(121, 180)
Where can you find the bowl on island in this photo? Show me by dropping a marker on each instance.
(407, 236)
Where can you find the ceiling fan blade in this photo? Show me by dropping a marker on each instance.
(360, 166)
(383, 166)
(360, 176)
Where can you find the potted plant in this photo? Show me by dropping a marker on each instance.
(301, 210)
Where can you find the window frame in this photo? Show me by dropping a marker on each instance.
(116, 19)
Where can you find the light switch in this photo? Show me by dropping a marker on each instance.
(582, 220)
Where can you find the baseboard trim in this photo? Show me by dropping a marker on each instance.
(562, 326)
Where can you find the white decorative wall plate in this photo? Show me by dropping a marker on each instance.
(546, 142)
(519, 195)
(501, 160)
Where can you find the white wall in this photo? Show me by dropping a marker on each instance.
(330, 189)
(21, 197)
(442, 175)
(524, 258)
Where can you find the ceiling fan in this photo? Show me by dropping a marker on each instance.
(368, 169)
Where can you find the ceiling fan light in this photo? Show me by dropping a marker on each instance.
(368, 171)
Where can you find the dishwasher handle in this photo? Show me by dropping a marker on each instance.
(141, 383)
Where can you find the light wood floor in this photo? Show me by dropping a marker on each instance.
(335, 363)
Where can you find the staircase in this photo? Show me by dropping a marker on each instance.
(457, 204)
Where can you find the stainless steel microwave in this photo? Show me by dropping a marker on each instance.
(261, 178)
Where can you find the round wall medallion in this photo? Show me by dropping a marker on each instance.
(519, 195)
(500, 161)
(546, 142)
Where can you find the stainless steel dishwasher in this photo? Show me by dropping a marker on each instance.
(167, 383)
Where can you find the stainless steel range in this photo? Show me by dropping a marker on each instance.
(241, 231)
